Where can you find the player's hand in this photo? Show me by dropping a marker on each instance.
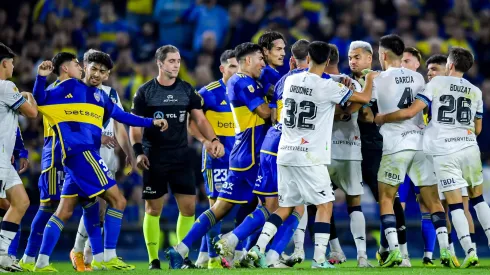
(217, 148)
(26, 95)
(372, 75)
(24, 164)
(45, 68)
(130, 161)
(161, 123)
(143, 162)
(379, 119)
(347, 81)
(109, 142)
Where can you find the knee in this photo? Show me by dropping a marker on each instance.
(4, 204)
(64, 213)
(20, 205)
(119, 203)
(187, 211)
(152, 210)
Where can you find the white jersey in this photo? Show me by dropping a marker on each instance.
(455, 105)
(346, 137)
(109, 155)
(10, 101)
(307, 117)
(395, 89)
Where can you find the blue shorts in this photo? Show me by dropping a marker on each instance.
(86, 176)
(239, 186)
(405, 188)
(50, 183)
(214, 180)
(266, 183)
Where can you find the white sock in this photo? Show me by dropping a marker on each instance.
(299, 239)
(383, 249)
(42, 261)
(28, 259)
(203, 257)
(272, 257)
(98, 257)
(232, 240)
(81, 237)
(182, 249)
(5, 240)
(87, 254)
(335, 245)
(483, 213)
(358, 230)
(392, 238)
(474, 246)
(442, 237)
(266, 235)
(404, 249)
(462, 228)
(428, 254)
(321, 243)
(238, 255)
(451, 248)
(109, 254)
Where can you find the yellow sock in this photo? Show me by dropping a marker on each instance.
(151, 231)
(184, 225)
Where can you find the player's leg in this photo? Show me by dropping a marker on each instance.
(428, 231)
(404, 190)
(82, 239)
(14, 245)
(469, 217)
(298, 255)
(206, 241)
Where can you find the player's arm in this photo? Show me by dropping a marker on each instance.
(365, 96)
(43, 70)
(20, 102)
(136, 133)
(366, 114)
(417, 106)
(123, 140)
(478, 125)
(479, 116)
(20, 152)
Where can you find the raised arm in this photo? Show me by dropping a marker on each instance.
(43, 70)
(403, 114)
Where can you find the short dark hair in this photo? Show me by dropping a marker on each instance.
(300, 49)
(226, 55)
(59, 59)
(334, 55)
(319, 52)
(246, 49)
(161, 53)
(436, 59)
(266, 40)
(101, 58)
(393, 43)
(462, 58)
(413, 51)
(5, 52)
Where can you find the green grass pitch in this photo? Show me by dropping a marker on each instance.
(346, 268)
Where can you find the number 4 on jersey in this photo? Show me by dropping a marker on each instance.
(407, 99)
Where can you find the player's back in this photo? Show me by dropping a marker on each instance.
(395, 89)
(307, 118)
(9, 120)
(455, 103)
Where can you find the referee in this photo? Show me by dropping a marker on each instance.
(163, 156)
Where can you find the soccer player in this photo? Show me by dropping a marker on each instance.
(250, 112)
(450, 138)
(11, 104)
(273, 46)
(216, 107)
(65, 66)
(77, 110)
(402, 149)
(345, 169)
(303, 156)
(411, 58)
(81, 254)
(360, 60)
(164, 156)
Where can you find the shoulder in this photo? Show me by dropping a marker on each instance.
(7, 84)
(148, 85)
(184, 84)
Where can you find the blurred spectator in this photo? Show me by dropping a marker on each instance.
(166, 14)
(59, 8)
(108, 26)
(139, 11)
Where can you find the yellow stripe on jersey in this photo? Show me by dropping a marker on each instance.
(76, 112)
(48, 131)
(222, 123)
(244, 119)
(279, 110)
(100, 174)
(213, 85)
(210, 180)
(107, 36)
(268, 152)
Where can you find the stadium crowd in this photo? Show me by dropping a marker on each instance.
(130, 31)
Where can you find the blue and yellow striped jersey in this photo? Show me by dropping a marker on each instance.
(268, 78)
(218, 112)
(245, 95)
(51, 153)
(76, 113)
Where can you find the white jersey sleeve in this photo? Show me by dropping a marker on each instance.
(10, 101)
(307, 118)
(109, 155)
(455, 103)
(346, 136)
(395, 89)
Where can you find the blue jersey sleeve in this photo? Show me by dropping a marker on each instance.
(19, 149)
(248, 95)
(121, 116)
(207, 99)
(38, 91)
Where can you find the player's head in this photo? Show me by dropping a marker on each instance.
(411, 58)
(6, 62)
(168, 61)
(436, 66)
(299, 52)
(66, 65)
(360, 56)
(273, 45)
(229, 65)
(459, 60)
(334, 56)
(97, 66)
(319, 53)
(250, 59)
(390, 49)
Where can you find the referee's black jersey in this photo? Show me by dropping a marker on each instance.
(171, 103)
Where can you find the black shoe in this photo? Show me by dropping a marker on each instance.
(188, 264)
(155, 265)
(427, 262)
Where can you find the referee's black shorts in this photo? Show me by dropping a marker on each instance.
(371, 160)
(168, 169)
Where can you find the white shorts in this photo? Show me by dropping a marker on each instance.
(8, 179)
(416, 164)
(298, 185)
(458, 170)
(347, 175)
(464, 193)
